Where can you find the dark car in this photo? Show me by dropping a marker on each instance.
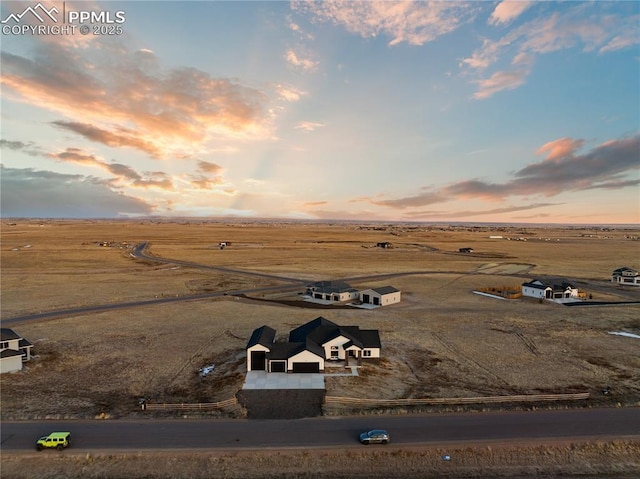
(375, 436)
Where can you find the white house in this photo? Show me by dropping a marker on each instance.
(310, 346)
(14, 350)
(539, 289)
(380, 296)
(626, 276)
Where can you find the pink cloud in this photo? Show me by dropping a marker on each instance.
(415, 23)
(559, 148)
(508, 11)
(124, 98)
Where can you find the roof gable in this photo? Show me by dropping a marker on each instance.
(7, 334)
(264, 335)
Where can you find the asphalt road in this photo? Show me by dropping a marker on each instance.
(325, 432)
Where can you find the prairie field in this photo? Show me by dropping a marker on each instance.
(441, 341)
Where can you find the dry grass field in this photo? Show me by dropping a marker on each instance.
(598, 460)
(441, 341)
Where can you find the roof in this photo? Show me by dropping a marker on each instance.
(385, 290)
(301, 332)
(23, 343)
(311, 337)
(8, 353)
(287, 350)
(7, 334)
(264, 335)
(625, 269)
(557, 285)
(370, 338)
(331, 286)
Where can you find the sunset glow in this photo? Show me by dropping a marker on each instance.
(390, 111)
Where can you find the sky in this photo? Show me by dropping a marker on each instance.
(517, 111)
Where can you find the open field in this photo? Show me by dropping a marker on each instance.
(441, 341)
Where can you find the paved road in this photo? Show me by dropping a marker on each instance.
(341, 432)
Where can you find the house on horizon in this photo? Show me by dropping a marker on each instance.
(14, 350)
(310, 346)
(539, 289)
(626, 276)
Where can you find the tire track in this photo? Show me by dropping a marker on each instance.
(468, 359)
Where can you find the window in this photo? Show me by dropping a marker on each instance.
(366, 353)
(4, 344)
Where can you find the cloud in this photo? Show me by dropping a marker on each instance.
(589, 26)
(125, 98)
(28, 148)
(305, 64)
(123, 137)
(124, 175)
(208, 176)
(471, 213)
(45, 194)
(289, 93)
(559, 148)
(422, 199)
(309, 126)
(506, 80)
(508, 11)
(563, 170)
(315, 203)
(415, 23)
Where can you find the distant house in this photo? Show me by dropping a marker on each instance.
(331, 291)
(626, 276)
(310, 346)
(14, 350)
(384, 244)
(383, 296)
(465, 250)
(540, 289)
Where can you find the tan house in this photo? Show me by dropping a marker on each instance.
(331, 291)
(14, 350)
(383, 296)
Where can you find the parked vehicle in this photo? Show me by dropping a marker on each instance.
(375, 436)
(58, 440)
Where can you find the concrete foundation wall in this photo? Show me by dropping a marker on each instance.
(282, 403)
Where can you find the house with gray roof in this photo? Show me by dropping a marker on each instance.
(627, 276)
(14, 350)
(331, 291)
(383, 296)
(309, 347)
(560, 289)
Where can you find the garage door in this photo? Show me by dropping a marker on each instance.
(258, 360)
(306, 367)
(278, 366)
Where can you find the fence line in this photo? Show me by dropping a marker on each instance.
(469, 400)
(190, 406)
